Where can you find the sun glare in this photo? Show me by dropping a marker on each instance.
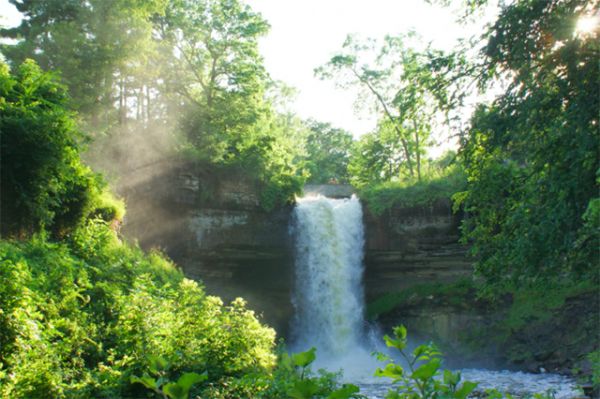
(586, 25)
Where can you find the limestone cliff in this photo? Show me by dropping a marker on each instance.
(409, 246)
(214, 228)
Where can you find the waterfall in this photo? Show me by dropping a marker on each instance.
(329, 303)
(328, 296)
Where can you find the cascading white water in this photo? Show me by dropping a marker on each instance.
(328, 296)
(329, 303)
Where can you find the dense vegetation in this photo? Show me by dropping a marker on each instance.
(530, 155)
(83, 314)
(186, 73)
(443, 179)
(79, 318)
(44, 183)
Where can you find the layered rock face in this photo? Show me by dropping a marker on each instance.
(409, 246)
(215, 230)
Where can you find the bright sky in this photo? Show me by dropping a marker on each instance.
(306, 33)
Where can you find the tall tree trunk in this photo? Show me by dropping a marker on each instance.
(122, 101)
(140, 104)
(147, 103)
(417, 150)
(392, 119)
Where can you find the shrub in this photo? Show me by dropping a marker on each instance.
(45, 186)
(384, 196)
(79, 318)
(421, 377)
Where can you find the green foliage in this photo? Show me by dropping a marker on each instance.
(328, 153)
(109, 207)
(384, 196)
(531, 155)
(188, 73)
(94, 44)
(539, 303)
(594, 358)
(221, 81)
(44, 183)
(540, 319)
(455, 293)
(401, 85)
(162, 386)
(79, 319)
(421, 379)
(302, 385)
(376, 158)
(219, 74)
(291, 378)
(281, 188)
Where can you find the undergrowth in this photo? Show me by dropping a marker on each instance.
(381, 197)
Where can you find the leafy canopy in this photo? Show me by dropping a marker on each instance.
(532, 154)
(45, 186)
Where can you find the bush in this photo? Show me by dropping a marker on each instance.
(45, 186)
(384, 196)
(79, 318)
(422, 378)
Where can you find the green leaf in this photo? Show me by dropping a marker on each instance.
(451, 378)
(493, 394)
(391, 370)
(400, 332)
(421, 352)
(146, 381)
(345, 392)
(303, 359)
(382, 357)
(188, 379)
(286, 362)
(157, 364)
(304, 389)
(426, 371)
(464, 391)
(174, 391)
(394, 343)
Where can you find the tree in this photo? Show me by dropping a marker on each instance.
(532, 154)
(216, 69)
(96, 45)
(219, 80)
(186, 73)
(398, 79)
(44, 184)
(328, 155)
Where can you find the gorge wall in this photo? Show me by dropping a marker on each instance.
(410, 246)
(215, 230)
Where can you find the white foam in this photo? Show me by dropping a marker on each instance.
(518, 384)
(328, 296)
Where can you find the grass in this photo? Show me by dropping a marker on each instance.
(430, 189)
